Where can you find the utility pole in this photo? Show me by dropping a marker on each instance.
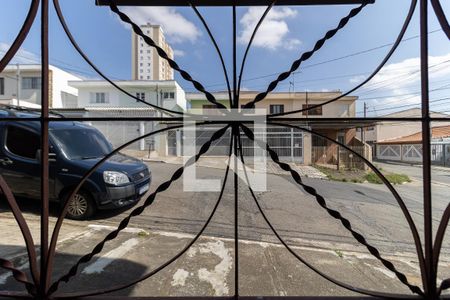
(364, 128)
(18, 84)
(307, 106)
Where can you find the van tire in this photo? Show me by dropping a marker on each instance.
(82, 208)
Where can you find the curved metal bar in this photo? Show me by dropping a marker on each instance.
(301, 259)
(440, 234)
(335, 214)
(59, 222)
(306, 55)
(441, 17)
(210, 97)
(445, 284)
(255, 31)
(23, 228)
(18, 275)
(34, 6)
(397, 42)
(178, 255)
(401, 203)
(213, 40)
(86, 58)
(135, 212)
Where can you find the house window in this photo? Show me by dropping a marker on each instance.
(170, 95)
(141, 64)
(317, 111)
(148, 51)
(276, 109)
(100, 97)
(15, 137)
(148, 77)
(2, 86)
(140, 96)
(31, 83)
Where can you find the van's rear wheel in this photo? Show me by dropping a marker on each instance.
(81, 206)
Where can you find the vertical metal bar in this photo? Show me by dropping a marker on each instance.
(235, 92)
(236, 213)
(44, 147)
(430, 285)
(235, 133)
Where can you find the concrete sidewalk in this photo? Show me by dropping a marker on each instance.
(221, 163)
(207, 268)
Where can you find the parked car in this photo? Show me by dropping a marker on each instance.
(74, 148)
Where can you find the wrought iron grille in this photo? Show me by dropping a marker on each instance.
(42, 286)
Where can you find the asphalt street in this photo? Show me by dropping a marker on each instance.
(266, 267)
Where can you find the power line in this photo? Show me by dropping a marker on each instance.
(413, 104)
(333, 59)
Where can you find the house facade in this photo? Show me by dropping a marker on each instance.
(297, 145)
(387, 130)
(100, 93)
(100, 99)
(21, 85)
(409, 148)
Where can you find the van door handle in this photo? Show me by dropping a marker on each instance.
(6, 161)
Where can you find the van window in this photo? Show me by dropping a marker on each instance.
(81, 143)
(22, 142)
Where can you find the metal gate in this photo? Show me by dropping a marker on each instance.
(286, 142)
(39, 281)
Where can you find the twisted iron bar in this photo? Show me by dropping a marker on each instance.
(334, 213)
(137, 211)
(307, 55)
(395, 45)
(18, 275)
(210, 97)
(300, 258)
(69, 35)
(65, 205)
(174, 258)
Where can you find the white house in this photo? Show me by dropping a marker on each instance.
(100, 93)
(21, 85)
(98, 98)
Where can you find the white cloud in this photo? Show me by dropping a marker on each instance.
(176, 27)
(273, 32)
(178, 53)
(404, 78)
(21, 57)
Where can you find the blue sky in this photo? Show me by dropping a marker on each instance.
(288, 32)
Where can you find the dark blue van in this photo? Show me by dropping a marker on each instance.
(74, 148)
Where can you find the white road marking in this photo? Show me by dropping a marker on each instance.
(102, 262)
(217, 277)
(112, 228)
(179, 278)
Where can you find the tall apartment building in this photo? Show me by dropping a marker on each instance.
(145, 61)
